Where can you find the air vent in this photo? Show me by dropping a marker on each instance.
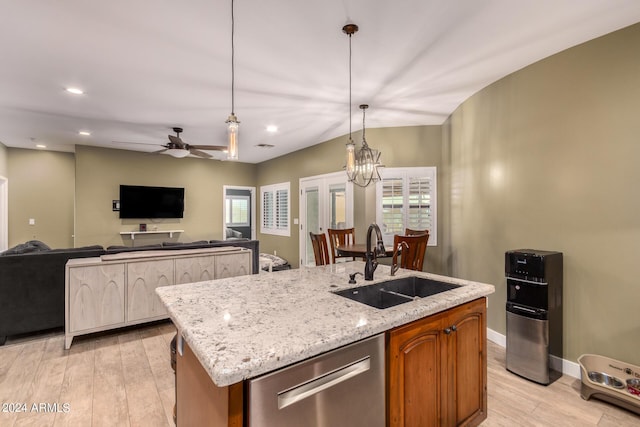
(265, 145)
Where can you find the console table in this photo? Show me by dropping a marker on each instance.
(119, 290)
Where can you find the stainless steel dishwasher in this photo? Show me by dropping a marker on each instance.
(344, 387)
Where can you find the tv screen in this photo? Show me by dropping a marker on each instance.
(138, 201)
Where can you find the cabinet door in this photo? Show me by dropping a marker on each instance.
(231, 265)
(195, 269)
(142, 280)
(96, 296)
(417, 369)
(468, 356)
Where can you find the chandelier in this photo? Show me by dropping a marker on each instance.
(366, 160)
(362, 166)
(232, 122)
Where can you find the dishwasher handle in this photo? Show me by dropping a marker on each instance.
(316, 385)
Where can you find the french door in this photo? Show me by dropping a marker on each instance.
(326, 201)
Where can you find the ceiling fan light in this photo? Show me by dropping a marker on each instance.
(232, 137)
(177, 152)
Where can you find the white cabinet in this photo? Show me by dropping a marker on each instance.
(142, 280)
(233, 265)
(96, 296)
(120, 289)
(195, 269)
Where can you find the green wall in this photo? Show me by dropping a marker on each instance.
(41, 186)
(99, 173)
(547, 158)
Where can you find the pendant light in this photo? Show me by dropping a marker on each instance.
(350, 29)
(362, 166)
(367, 160)
(232, 122)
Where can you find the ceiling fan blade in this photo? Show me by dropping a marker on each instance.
(159, 151)
(199, 153)
(177, 141)
(210, 147)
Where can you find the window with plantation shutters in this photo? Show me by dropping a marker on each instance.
(406, 198)
(275, 209)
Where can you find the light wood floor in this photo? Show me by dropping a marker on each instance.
(125, 379)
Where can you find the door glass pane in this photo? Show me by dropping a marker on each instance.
(312, 220)
(337, 206)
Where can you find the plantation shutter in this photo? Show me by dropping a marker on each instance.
(268, 214)
(392, 202)
(275, 209)
(406, 198)
(419, 215)
(282, 210)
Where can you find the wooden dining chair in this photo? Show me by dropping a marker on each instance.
(411, 255)
(340, 237)
(320, 249)
(410, 232)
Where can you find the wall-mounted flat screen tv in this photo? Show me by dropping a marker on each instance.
(142, 202)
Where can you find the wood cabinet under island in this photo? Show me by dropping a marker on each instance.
(237, 329)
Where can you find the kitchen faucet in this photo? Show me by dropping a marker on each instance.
(371, 255)
(394, 265)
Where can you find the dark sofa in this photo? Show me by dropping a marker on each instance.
(32, 289)
(32, 283)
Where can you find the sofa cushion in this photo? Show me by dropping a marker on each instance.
(27, 247)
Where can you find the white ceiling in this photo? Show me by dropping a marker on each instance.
(147, 66)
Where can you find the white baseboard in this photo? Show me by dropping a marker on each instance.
(566, 366)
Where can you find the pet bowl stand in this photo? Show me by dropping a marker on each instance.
(615, 370)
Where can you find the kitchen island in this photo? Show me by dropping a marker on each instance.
(243, 327)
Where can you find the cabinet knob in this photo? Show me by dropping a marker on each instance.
(447, 331)
(454, 328)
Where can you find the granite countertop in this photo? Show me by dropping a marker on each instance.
(242, 327)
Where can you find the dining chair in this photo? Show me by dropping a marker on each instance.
(411, 255)
(340, 237)
(410, 232)
(320, 249)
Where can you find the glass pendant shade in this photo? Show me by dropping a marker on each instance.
(351, 160)
(232, 137)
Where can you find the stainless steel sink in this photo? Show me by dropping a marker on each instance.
(396, 291)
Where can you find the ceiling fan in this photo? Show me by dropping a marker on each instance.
(176, 147)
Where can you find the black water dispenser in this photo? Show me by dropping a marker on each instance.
(534, 314)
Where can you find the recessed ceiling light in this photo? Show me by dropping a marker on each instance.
(41, 146)
(272, 128)
(75, 90)
(84, 133)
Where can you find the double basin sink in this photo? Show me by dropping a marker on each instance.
(396, 291)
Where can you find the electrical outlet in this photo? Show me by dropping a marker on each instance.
(32, 221)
